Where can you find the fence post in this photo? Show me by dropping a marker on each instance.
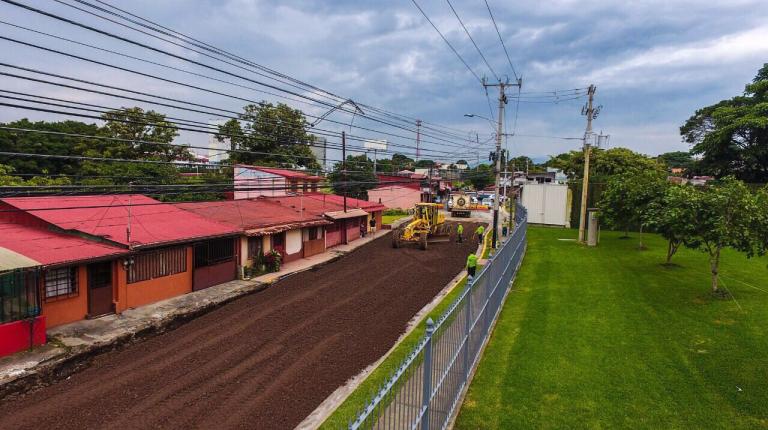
(427, 378)
(468, 330)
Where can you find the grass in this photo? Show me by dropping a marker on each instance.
(607, 337)
(389, 219)
(356, 400)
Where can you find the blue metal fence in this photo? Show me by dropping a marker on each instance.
(425, 390)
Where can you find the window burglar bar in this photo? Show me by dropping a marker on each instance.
(425, 391)
(155, 264)
(214, 252)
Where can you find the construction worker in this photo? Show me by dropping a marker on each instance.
(460, 233)
(471, 265)
(480, 230)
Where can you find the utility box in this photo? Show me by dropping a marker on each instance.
(547, 203)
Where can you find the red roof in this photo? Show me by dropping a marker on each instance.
(319, 203)
(49, 248)
(286, 173)
(254, 214)
(151, 222)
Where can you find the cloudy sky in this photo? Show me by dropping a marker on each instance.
(653, 62)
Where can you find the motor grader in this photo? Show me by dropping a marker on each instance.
(428, 226)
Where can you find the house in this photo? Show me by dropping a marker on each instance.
(265, 225)
(402, 190)
(108, 253)
(255, 181)
(21, 325)
(346, 225)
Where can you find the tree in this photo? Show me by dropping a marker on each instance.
(277, 133)
(604, 163)
(424, 164)
(8, 179)
(41, 143)
(630, 198)
(520, 163)
(732, 135)
(674, 216)
(727, 215)
(138, 127)
(677, 159)
(480, 177)
(358, 180)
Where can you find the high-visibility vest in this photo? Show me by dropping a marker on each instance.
(472, 260)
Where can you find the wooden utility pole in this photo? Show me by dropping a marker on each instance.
(418, 139)
(589, 111)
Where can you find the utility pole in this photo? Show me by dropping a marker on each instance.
(344, 166)
(589, 111)
(497, 169)
(418, 139)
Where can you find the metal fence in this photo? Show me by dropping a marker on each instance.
(425, 390)
(19, 295)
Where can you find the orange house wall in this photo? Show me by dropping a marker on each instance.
(153, 290)
(66, 310)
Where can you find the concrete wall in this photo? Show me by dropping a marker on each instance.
(152, 290)
(15, 335)
(269, 184)
(63, 310)
(395, 196)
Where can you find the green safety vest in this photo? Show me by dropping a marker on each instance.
(460, 229)
(480, 230)
(472, 260)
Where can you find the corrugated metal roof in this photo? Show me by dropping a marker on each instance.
(107, 217)
(283, 172)
(319, 203)
(46, 247)
(350, 213)
(255, 215)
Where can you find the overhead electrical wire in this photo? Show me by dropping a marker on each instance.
(501, 39)
(446, 42)
(493, 72)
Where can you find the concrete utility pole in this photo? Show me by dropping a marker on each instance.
(418, 138)
(589, 111)
(497, 169)
(344, 166)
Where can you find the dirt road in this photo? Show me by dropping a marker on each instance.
(264, 361)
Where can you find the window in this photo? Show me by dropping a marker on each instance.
(214, 252)
(278, 240)
(255, 246)
(313, 233)
(60, 282)
(157, 263)
(19, 295)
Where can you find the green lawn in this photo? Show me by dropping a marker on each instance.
(388, 219)
(608, 338)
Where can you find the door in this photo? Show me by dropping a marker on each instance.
(278, 243)
(100, 289)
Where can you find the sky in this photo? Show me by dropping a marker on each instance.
(654, 62)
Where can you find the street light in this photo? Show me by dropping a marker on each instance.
(472, 115)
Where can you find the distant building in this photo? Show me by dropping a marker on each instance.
(217, 151)
(319, 149)
(254, 181)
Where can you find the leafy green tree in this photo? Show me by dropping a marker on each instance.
(479, 177)
(277, 133)
(424, 164)
(727, 215)
(358, 180)
(677, 159)
(138, 127)
(521, 163)
(50, 144)
(604, 163)
(732, 135)
(674, 216)
(630, 197)
(8, 179)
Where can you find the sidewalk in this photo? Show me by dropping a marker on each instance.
(70, 344)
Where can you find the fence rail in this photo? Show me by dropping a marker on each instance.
(425, 390)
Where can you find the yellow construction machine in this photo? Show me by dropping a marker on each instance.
(428, 225)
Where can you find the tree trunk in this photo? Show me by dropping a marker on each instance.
(670, 252)
(641, 237)
(714, 265)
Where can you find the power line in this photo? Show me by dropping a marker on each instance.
(127, 40)
(514, 72)
(446, 42)
(473, 40)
